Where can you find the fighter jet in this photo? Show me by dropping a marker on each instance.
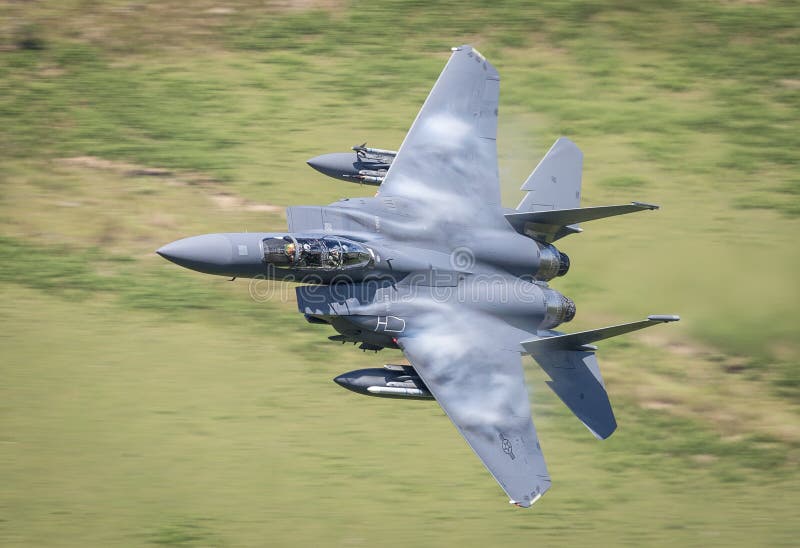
(434, 266)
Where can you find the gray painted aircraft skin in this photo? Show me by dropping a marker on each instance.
(433, 265)
(364, 165)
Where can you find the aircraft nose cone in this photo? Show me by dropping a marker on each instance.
(317, 162)
(342, 380)
(207, 253)
(337, 164)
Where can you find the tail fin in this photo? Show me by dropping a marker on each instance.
(551, 208)
(556, 181)
(570, 362)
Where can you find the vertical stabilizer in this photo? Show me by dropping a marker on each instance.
(556, 181)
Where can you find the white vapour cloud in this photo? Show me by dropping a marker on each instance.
(480, 383)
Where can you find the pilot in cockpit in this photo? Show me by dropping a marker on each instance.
(290, 250)
(335, 256)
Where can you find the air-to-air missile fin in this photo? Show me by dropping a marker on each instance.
(551, 225)
(375, 152)
(571, 363)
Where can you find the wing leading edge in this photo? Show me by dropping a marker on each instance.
(448, 160)
(482, 390)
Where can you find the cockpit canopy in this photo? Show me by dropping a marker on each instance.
(315, 252)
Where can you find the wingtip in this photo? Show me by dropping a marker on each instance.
(524, 503)
(664, 318)
(564, 141)
(645, 205)
(472, 52)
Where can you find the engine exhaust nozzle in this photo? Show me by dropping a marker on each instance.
(558, 309)
(552, 262)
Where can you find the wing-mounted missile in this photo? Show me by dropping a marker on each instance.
(391, 381)
(363, 151)
(367, 165)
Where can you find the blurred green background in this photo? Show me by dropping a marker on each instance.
(142, 404)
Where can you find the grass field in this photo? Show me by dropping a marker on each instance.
(144, 404)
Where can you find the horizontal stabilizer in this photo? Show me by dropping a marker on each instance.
(577, 382)
(570, 362)
(554, 224)
(581, 339)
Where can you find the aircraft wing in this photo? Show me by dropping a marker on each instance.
(481, 387)
(447, 164)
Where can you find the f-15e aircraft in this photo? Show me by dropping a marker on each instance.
(434, 266)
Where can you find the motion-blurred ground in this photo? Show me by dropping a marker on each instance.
(144, 404)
